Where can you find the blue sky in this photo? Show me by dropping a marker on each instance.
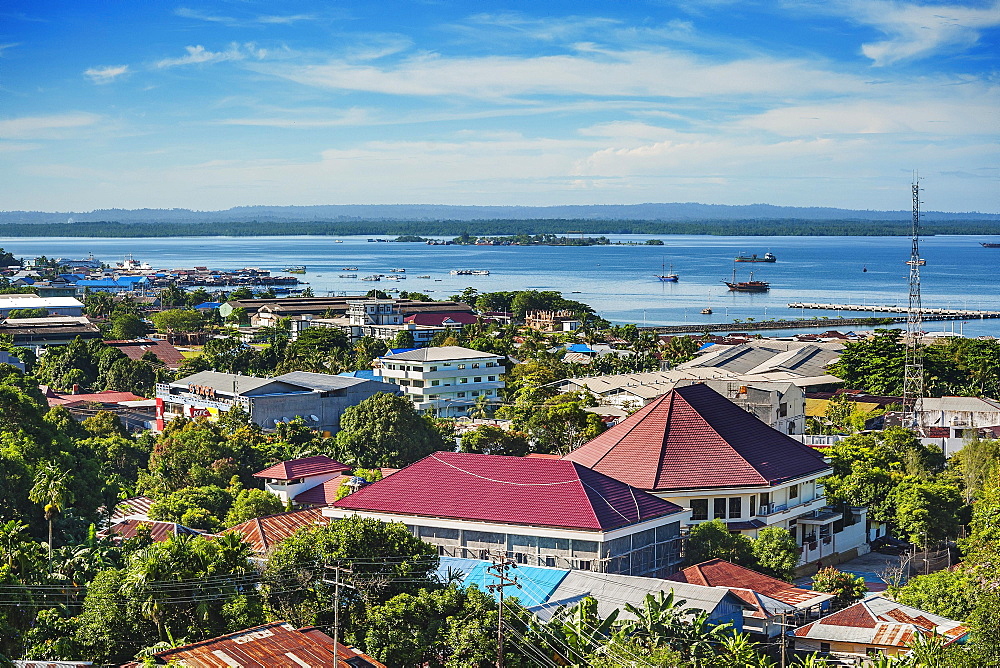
(209, 105)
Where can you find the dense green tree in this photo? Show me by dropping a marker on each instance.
(846, 587)
(927, 511)
(874, 364)
(176, 321)
(195, 453)
(385, 430)
(492, 440)
(948, 593)
(776, 553)
(252, 503)
(712, 540)
(403, 339)
(196, 507)
(125, 327)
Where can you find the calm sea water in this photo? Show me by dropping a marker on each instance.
(618, 281)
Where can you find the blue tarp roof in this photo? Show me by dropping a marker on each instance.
(120, 282)
(578, 348)
(537, 583)
(367, 374)
(396, 351)
(208, 305)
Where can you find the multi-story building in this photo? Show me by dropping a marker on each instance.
(318, 398)
(446, 380)
(539, 512)
(701, 451)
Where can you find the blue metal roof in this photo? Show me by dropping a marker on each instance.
(579, 348)
(537, 583)
(367, 374)
(208, 305)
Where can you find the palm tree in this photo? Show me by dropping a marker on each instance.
(52, 490)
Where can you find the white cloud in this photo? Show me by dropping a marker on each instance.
(45, 127)
(103, 75)
(198, 54)
(270, 19)
(335, 119)
(9, 45)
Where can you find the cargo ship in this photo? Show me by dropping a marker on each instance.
(986, 245)
(747, 286)
(768, 257)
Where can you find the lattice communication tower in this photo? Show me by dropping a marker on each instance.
(913, 373)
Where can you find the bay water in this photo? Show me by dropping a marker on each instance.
(618, 281)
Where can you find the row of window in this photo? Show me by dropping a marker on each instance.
(430, 369)
(732, 507)
(462, 381)
(460, 395)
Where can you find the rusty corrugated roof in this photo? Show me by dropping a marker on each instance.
(274, 645)
(263, 533)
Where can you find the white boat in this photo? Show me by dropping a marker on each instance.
(371, 278)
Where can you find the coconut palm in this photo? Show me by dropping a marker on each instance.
(52, 490)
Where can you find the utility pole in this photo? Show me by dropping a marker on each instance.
(913, 370)
(501, 564)
(337, 584)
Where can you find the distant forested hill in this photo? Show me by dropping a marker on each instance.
(649, 213)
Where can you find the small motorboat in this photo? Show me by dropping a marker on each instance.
(706, 311)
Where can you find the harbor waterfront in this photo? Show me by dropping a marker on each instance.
(618, 281)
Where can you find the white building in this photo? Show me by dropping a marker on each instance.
(445, 380)
(65, 306)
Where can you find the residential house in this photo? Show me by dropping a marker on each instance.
(163, 351)
(288, 479)
(873, 627)
(780, 404)
(552, 321)
(445, 380)
(539, 512)
(695, 448)
(319, 398)
(272, 645)
(158, 531)
(961, 416)
(769, 601)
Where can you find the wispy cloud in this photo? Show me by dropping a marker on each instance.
(198, 54)
(103, 75)
(232, 21)
(10, 45)
(45, 127)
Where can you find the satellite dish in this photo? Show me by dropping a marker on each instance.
(285, 419)
(314, 418)
(276, 422)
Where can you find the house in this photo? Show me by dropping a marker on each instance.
(446, 380)
(57, 306)
(319, 398)
(782, 405)
(272, 645)
(287, 479)
(163, 351)
(552, 321)
(540, 512)
(695, 448)
(874, 627)
(263, 533)
(768, 600)
(803, 364)
(158, 531)
(38, 333)
(959, 414)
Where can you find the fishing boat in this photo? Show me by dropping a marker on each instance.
(297, 269)
(667, 277)
(988, 245)
(706, 311)
(371, 278)
(470, 272)
(768, 257)
(747, 286)
(424, 276)
(348, 268)
(348, 276)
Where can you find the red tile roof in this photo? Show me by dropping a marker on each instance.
(274, 645)
(301, 468)
(321, 495)
(694, 438)
(722, 573)
(509, 490)
(263, 533)
(857, 616)
(164, 352)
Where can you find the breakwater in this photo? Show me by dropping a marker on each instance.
(927, 313)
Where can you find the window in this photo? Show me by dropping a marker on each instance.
(793, 492)
(475, 393)
(753, 505)
(550, 562)
(433, 368)
(720, 509)
(699, 509)
(484, 554)
(477, 379)
(461, 395)
(520, 557)
(824, 647)
(463, 380)
(488, 393)
(475, 365)
(491, 378)
(873, 651)
(735, 507)
(461, 366)
(491, 364)
(435, 383)
(584, 564)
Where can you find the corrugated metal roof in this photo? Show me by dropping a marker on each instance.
(721, 573)
(159, 531)
(440, 354)
(302, 468)
(879, 621)
(536, 583)
(263, 533)
(274, 645)
(694, 438)
(136, 506)
(509, 490)
(320, 381)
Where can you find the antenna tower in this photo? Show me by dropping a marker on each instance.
(913, 373)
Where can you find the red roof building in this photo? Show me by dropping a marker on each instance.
(874, 626)
(287, 480)
(165, 352)
(545, 511)
(274, 645)
(701, 451)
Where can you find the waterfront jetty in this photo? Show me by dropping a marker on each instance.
(942, 313)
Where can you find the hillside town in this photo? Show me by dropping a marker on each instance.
(206, 468)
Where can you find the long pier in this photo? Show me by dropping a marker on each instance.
(928, 313)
